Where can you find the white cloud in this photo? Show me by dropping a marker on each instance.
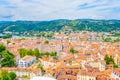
(55, 9)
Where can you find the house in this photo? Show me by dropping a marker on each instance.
(118, 61)
(85, 76)
(21, 72)
(47, 62)
(98, 64)
(116, 73)
(67, 72)
(104, 75)
(26, 61)
(88, 74)
(68, 58)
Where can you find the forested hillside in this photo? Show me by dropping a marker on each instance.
(56, 25)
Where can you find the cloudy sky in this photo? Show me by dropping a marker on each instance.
(59, 9)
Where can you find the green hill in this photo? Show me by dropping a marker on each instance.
(56, 25)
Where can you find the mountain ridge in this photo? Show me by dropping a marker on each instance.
(56, 25)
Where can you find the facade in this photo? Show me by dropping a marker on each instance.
(88, 74)
(86, 77)
(98, 64)
(26, 61)
(47, 62)
(67, 72)
(21, 72)
(118, 61)
(42, 78)
(116, 73)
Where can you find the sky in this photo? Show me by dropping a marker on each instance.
(39, 10)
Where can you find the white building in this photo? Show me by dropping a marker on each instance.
(26, 61)
(21, 72)
(42, 78)
(47, 62)
(86, 76)
(116, 73)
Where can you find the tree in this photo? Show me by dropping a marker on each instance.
(2, 47)
(115, 66)
(8, 59)
(4, 75)
(36, 52)
(12, 75)
(29, 52)
(8, 41)
(110, 60)
(106, 58)
(108, 39)
(22, 52)
(41, 67)
(72, 50)
(46, 42)
(53, 54)
(47, 54)
(6, 36)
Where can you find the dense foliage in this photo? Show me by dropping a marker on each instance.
(41, 67)
(4, 75)
(23, 52)
(56, 25)
(6, 36)
(72, 50)
(6, 58)
(109, 39)
(116, 34)
(110, 60)
(46, 42)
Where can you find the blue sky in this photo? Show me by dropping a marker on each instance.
(59, 9)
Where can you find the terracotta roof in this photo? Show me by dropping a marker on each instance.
(27, 58)
(69, 56)
(81, 56)
(105, 74)
(67, 77)
(21, 69)
(117, 70)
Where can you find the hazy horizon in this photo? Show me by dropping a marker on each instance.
(57, 19)
(47, 10)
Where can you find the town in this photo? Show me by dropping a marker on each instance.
(79, 55)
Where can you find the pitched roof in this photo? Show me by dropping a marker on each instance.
(117, 70)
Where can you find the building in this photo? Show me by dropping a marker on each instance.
(85, 76)
(98, 64)
(26, 61)
(88, 74)
(66, 72)
(116, 73)
(21, 72)
(47, 62)
(104, 75)
(42, 78)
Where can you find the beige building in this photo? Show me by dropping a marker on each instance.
(98, 64)
(21, 72)
(83, 75)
